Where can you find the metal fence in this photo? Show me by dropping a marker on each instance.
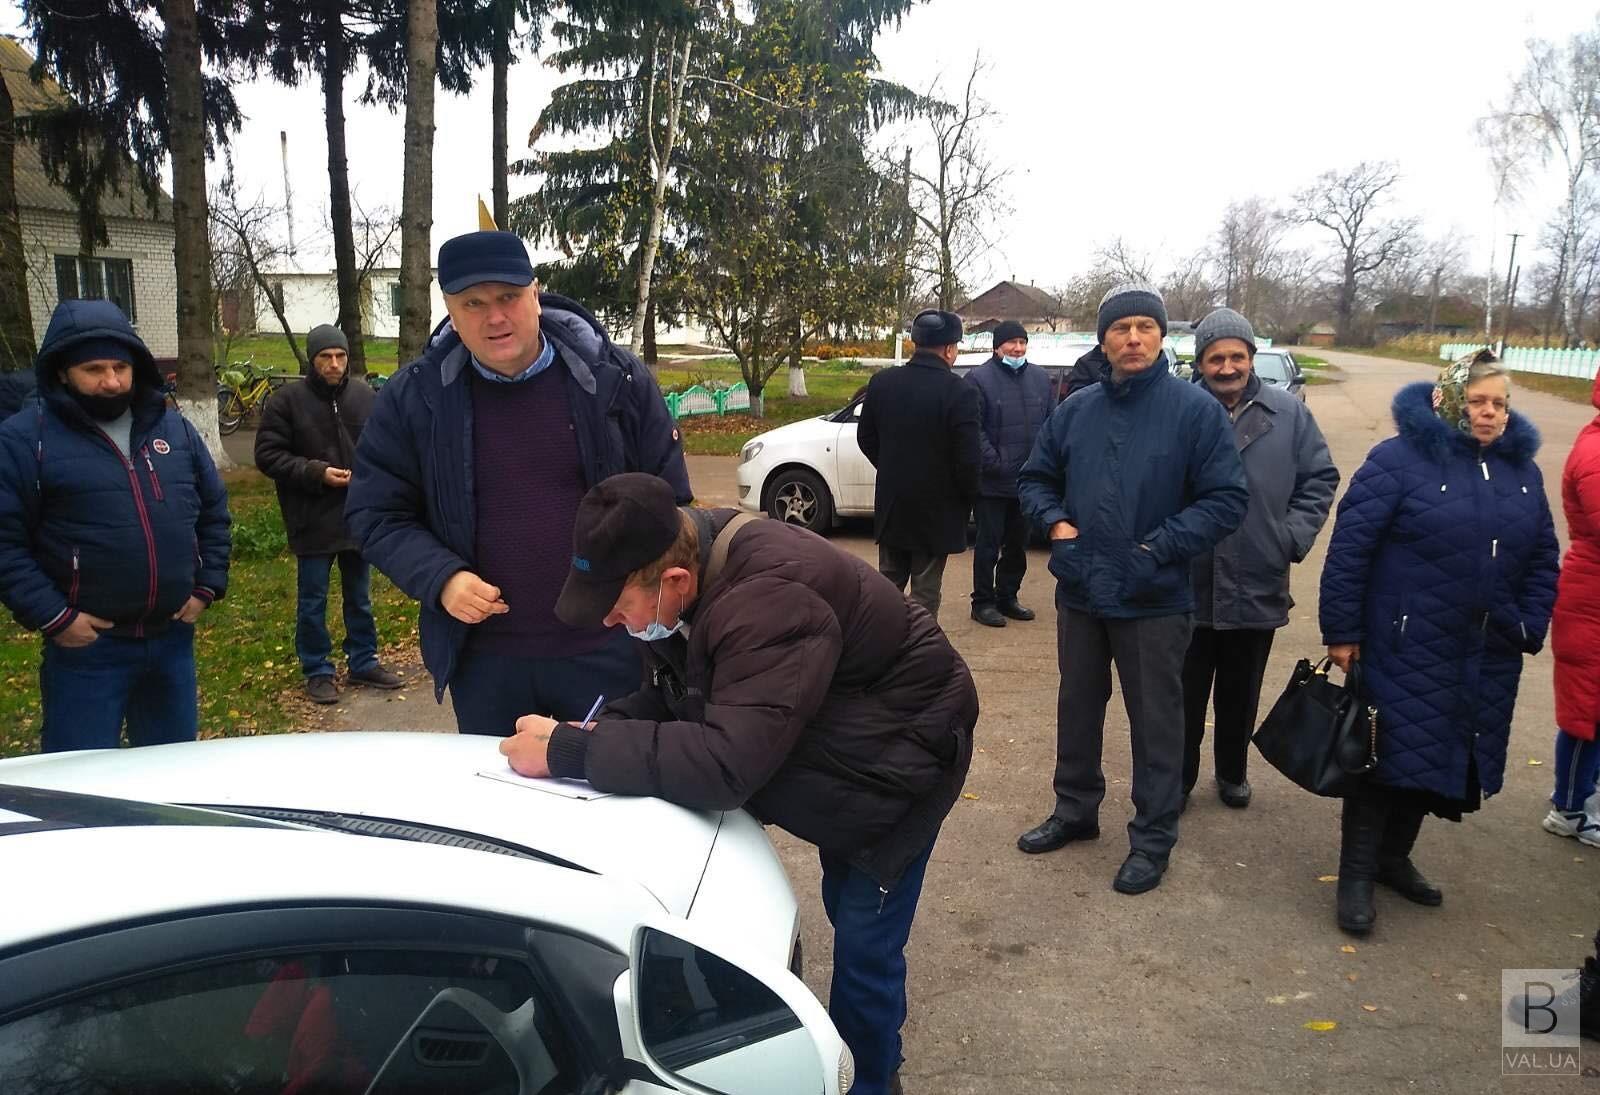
(702, 400)
(1526, 359)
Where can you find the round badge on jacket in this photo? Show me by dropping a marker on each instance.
(161, 446)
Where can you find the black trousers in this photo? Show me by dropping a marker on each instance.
(1224, 667)
(924, 572)
(1000, 557)
(1149, 657)
(490, 692)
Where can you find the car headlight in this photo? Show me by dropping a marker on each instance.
(750, 452)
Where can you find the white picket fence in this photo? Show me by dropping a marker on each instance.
(1525, 359)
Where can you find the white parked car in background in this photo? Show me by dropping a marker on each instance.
(387, 914)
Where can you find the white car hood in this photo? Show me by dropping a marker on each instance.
(429, 779)
(810, 429)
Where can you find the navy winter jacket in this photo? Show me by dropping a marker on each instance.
(1012, 405)
(411, 502)
(82, 526)
(1147, 471)
(1443, 567)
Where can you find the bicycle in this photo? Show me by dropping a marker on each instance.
(242, 389)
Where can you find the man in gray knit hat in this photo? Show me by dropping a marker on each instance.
(307, 446)
(1241, 587)
(1133, 477)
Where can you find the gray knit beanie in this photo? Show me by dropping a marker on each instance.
(1220, 324)
(1131, 298)
(325, 337)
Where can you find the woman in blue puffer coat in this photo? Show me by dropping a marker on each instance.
(1441, 575)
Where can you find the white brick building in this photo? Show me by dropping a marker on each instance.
(134, 268)
(313, 298)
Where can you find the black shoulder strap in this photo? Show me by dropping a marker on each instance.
(719, 547)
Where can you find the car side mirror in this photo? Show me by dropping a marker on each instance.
(726, 1023)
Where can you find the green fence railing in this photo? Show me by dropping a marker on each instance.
(702, 400)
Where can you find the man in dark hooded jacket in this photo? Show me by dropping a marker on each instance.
(470, 470)
(787, 677)
(113, 536)
(307, 446)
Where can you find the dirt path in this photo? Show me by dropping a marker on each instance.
(1030, 974)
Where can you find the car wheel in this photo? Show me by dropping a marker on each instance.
(799, 497)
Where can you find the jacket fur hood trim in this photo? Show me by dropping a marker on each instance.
(1414, 418)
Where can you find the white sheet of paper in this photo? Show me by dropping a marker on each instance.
(566, 788)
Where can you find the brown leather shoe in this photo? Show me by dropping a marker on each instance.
(321, 688)
(376, 677)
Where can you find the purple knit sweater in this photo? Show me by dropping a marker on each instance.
(528, 481)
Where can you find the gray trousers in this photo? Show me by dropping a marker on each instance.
(1149, 657)
(924, 572)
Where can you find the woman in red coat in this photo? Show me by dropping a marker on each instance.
(1575, 635)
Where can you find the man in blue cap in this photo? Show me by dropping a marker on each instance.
(468, 476)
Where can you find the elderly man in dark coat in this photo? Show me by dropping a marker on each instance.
(919, 427)
(1241, 587)
(1013, 402)
(307, 446)
(805, 689)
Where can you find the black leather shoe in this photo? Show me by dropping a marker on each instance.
(1356, 912)
(1403, 878)
(988, 615)
(1236, 795)
(321, 688)
(377, 677)
(1013, 611)
(1053, 833)
(1138, 874)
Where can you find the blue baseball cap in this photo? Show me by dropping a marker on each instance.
(477, 257)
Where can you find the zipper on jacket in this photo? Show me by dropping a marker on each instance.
(1483, 465)
(1494, 549)
(144, 523)
(72, 593)
(155, 481)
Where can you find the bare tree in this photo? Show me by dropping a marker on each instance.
(1247, 243)
(1553, 113)
(959, 191)
(416, 201)
(1116, 256)
(1186, 289)
(1348, 204)
(1292, 293)
(245, 235)
(1444, 258)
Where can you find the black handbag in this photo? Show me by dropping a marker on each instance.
(1321, 735)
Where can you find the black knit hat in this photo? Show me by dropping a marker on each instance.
(935, 328)
(1007, 330)
(1131, 298)
(325, 336)
(624, 523)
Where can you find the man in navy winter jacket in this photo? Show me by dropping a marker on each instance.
(113, 536)
(1013, 401)
(1132, 477)
(468, 476)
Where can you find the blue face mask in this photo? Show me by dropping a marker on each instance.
(1015, 362)
(655, 631)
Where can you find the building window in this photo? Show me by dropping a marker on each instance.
(87, 277)
(394, 297)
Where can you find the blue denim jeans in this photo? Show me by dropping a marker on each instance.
(1577, 766)
(867, 1001)
(312, 643)
(88, 691)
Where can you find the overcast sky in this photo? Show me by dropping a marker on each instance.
(1139, 120)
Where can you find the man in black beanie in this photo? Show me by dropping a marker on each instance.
(1013, 402)
(919, 427)
(307, 446)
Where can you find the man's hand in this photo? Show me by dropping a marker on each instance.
(527, 751)
(1063, 530)
(338, 478)
(1344, 653)
(190, 612)
(83, 630)
(470, 599)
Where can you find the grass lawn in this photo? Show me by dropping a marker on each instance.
(1571, 388)
(244, 644)
(831, 385)
(273, 352)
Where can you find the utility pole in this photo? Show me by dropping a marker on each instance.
(288, 196)
(1505, 329)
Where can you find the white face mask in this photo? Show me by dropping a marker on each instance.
(655, 630)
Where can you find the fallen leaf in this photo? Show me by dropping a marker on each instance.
(1011, 741)
(1369, 1007)
(1462, 997)
(970, 796)
(1321, 1025)
(1347, 949)
(267, 665)
(1327, 878)
(1535, 763)
(1352, 977)
(1238, 864)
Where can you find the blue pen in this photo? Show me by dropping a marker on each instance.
(598, 700)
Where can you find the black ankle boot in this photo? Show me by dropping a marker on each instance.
(1395, 869)
(1360, 831)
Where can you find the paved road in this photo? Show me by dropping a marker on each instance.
(1031, 974)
